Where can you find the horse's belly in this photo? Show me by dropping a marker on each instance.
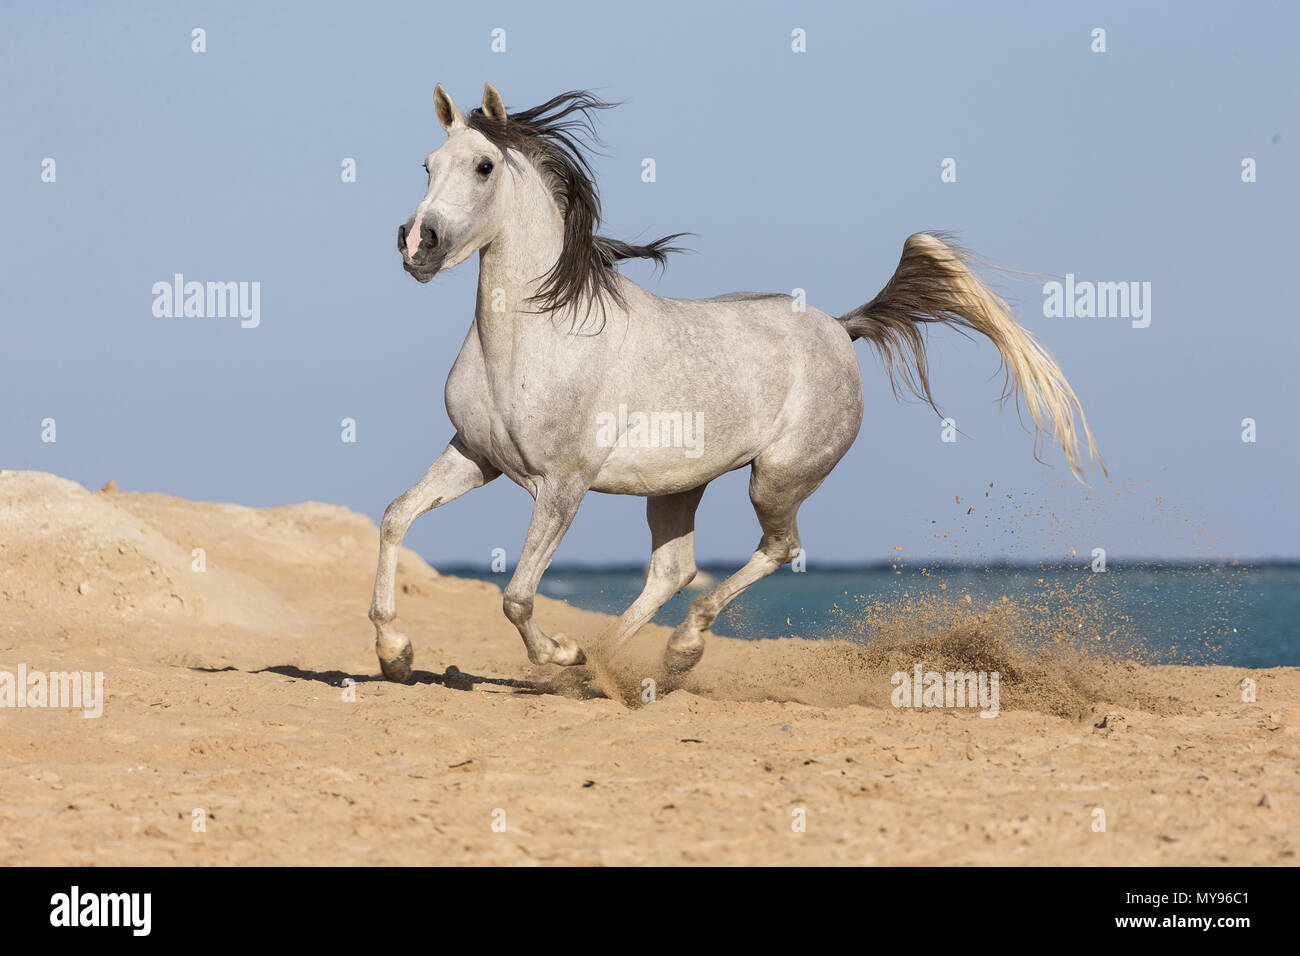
(632, 470)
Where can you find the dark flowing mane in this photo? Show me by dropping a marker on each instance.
(551, 136)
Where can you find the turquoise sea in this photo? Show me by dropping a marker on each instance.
(1245, 615)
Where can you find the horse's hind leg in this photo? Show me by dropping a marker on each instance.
(456, 471)
(776, 501)
(672, 560)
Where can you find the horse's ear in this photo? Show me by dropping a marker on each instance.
(448, 115)
(493, 106)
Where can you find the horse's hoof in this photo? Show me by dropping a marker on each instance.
(398, 668)
(567, 653)
(679, 660)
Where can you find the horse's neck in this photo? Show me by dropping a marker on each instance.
(513, 265)
(515, 337)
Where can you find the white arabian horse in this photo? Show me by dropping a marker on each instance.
(574, 379)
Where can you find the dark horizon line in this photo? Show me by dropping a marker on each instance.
(726, 567)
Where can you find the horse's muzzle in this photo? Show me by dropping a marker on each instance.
(428, 257)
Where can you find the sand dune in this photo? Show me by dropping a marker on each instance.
(226, 692)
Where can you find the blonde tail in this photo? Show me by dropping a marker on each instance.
(934, 284)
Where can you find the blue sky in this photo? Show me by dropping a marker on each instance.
(794, 170)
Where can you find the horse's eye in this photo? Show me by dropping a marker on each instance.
(485, 167)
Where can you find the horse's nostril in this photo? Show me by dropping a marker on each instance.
(413, 244)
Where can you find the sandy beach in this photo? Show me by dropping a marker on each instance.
(227, 692)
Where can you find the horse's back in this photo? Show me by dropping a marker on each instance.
(762, 325)
(762, 362)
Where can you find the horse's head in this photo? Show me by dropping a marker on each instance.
(460, 210)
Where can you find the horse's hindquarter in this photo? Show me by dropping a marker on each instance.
(739, 372)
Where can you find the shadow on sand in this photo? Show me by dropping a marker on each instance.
(452, 678)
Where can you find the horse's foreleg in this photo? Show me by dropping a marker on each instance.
(672, 561)
(554, 510)
(456, 471)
